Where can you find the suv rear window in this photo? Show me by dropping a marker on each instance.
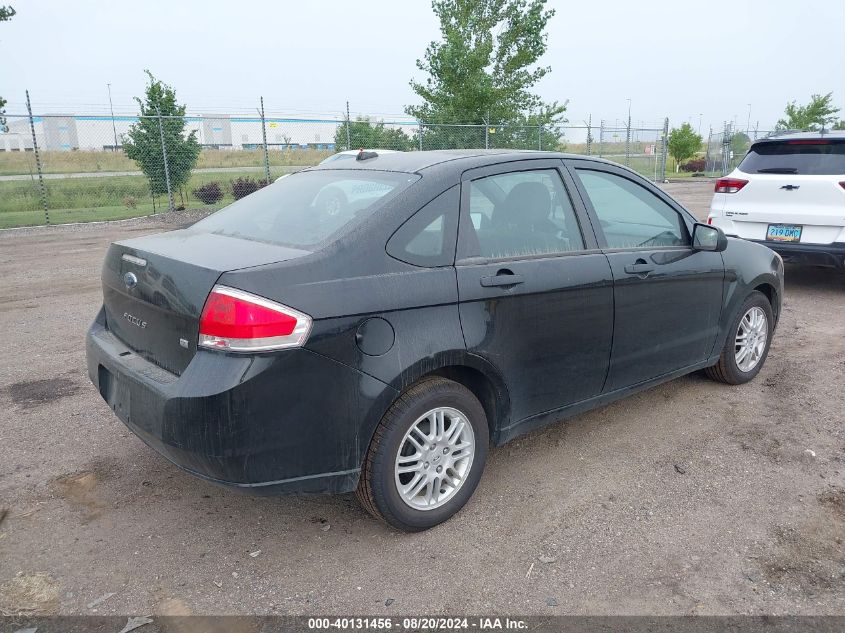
(812, 157)
(308, 208)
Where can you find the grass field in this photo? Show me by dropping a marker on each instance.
(84, 161)
(111, 198)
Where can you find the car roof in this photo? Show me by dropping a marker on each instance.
(353, 152)
(416, 161)
(798, 135)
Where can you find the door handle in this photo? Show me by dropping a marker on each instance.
(502, 278)
(640, 267)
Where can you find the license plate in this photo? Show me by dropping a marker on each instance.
(783, 233)
(115, 392)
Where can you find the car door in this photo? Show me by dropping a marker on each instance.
(535, 292)
(668, 296)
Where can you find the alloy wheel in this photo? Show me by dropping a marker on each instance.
(751, 336)
(434, 458)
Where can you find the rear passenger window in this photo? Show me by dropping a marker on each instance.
(428, 237)
(521, 214)
(630, 215)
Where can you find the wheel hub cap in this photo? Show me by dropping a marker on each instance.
(434, 458)
(751, 336)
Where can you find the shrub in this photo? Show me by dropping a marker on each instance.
(244, 186)
(693, 165)
(130, 202)
(209, 193)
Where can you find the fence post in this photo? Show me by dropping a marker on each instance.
(726, 148)
(628, 142)
(37, 161)
(264, 140)
(601, 137)
(540, 137)
(420, 132)
(707, 162)
(590, 135)
(664, 149)
(348, 131)
(487, 131)
(170, 205)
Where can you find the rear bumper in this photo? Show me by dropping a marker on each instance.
(812, 254)
(292, 421)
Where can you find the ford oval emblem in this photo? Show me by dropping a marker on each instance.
(131, 280)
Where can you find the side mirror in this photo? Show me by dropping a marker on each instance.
(708, 238)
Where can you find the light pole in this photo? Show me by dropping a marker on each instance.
(700, 114)
(748, 122)
(113, 126)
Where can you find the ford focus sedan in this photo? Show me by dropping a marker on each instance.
(383, 344)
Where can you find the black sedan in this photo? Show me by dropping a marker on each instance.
(375, 324)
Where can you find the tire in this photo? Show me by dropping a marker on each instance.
(729, 370)
(331, 201)
(461, 468)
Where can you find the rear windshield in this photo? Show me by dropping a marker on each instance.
(308, 208)
(810, 157)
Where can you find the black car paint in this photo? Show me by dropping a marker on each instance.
(302, 419)
(682, 281)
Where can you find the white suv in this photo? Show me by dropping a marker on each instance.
(789, 194)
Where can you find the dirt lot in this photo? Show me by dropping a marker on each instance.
(690, 498)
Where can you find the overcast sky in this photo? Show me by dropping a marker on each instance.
(679, 59)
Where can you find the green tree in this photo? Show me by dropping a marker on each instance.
(818, 113)
(482, 71)
(6, 13)
(143, 142)
(683, 143)
(840, 125)
(740, 143)
(363, 132)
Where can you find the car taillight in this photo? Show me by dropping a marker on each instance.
(730, 185)
(709, 220)
(237, 321)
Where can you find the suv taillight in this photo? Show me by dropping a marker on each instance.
(237, 321)
(730, 185)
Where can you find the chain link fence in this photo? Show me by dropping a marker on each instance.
(726, 147)
(59, 168)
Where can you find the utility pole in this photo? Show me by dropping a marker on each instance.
(748, 122)
(113, 126)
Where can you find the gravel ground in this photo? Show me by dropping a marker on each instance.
(691, 498)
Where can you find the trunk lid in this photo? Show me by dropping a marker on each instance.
(154, 288)
(816, 202)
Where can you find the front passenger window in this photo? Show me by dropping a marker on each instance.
(630, 215)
